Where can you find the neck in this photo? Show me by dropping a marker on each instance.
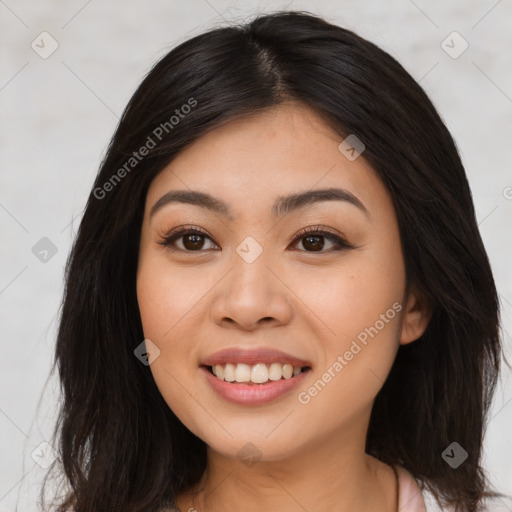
(334, 475)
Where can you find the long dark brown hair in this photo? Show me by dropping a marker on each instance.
(121, 446)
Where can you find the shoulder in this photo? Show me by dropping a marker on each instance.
(432, 505)
(412, 498)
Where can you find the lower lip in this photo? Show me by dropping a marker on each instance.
(253, 394)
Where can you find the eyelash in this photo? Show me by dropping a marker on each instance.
(340, 243)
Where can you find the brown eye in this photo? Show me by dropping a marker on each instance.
(313, 243)
(193, 241)
(313, 240)
(187, 240)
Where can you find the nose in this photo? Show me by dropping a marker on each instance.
(252, 296)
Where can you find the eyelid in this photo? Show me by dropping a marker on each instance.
(180, 231)
(336, 237)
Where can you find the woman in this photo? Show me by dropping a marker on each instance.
(278, 297)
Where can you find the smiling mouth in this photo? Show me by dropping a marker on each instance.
(257, 374)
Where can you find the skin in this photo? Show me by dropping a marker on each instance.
(307, 303)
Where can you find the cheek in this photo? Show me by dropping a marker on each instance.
(354, 296)
(359, 314)
(168, 304)
(168, 298)
(358, 308)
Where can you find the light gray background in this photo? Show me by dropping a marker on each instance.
(58, 114)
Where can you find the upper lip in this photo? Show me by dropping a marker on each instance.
(252, 356)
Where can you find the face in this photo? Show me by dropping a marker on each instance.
(238, 271)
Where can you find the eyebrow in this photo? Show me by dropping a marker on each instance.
(282, 205)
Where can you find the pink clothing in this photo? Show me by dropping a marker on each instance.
(410, 497)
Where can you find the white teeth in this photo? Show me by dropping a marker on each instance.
(257, 373)
(229, 372)
(242, 373)
(287, 371)
(218, 370)
(275, 371)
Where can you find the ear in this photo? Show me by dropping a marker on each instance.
(417, 315)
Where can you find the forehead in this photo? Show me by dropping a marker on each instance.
(254, 159)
